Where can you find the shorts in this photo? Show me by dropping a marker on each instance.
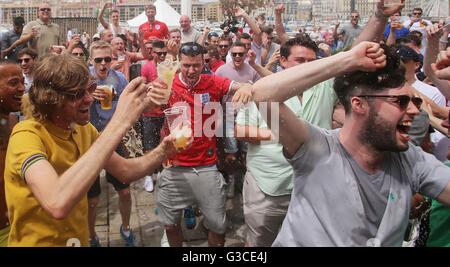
(263, 213)
(96, 190)
(151, 132)
(180, 187)
(4, 235)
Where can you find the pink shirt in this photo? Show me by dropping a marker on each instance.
(150, 73)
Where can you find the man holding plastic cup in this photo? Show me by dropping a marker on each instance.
(193, 177)
(110, 84)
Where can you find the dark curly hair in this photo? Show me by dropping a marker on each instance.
(360, 82)
(300, 40)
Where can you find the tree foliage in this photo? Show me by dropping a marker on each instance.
(247, 5)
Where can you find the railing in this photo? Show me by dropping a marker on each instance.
(82, 24)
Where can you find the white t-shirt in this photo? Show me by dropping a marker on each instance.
(431, 92)
(440, 141)
(419, 26)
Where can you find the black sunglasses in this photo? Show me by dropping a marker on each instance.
(415, 13)
(401, 100)
(26, 60)
(92, 85)
(78, 54)
(100, 59)
(45, 9)
(237, 54)
(223, 46)
(161, 53)
(191, 49)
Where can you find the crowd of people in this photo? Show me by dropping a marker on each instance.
(335, 138)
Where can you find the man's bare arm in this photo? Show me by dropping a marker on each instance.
(373, 30)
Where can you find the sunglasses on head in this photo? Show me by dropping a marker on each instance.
(100, 59)
(191, 49)
(401, 100)
(45, 9)
(90, 88)
(26, 60)
(237, 54)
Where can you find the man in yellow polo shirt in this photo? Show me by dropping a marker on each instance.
(53, 159)
(11, 91)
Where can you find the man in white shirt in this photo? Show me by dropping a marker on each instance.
(417, 23)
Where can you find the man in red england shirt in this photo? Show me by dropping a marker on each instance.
(193, 177)
(154, 29)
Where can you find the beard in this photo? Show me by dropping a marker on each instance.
(380, 134)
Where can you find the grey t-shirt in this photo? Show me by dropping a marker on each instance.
(350, 33)
(273, 48)
(336, 203)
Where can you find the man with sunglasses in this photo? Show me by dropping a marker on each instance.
(417, 23)
(11, 92)
(27, 59)
(101, 60)
(411, 61)
(352, 30)
(54, 158)
(159, 51)
(41, 33)
(194, 177)
(269, 178)
(223, 47)
(240, 71)
(353, 186)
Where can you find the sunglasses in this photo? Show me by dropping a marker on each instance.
(355, 17)
(161, 53)
(237, 54)
(45, 9)
(78, 54)
(100, 59)
(223, 46)
(415, 13)
(26, 60)
(401, 100)
(191, 49)
(92, 85)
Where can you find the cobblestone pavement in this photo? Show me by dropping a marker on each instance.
(145, 223)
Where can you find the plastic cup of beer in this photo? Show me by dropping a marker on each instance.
(121, 57)
(166, 72)
(179, 126)
(106, 103)
(389, 3)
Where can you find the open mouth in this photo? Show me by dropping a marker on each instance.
(403, 128)
(84, 111)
